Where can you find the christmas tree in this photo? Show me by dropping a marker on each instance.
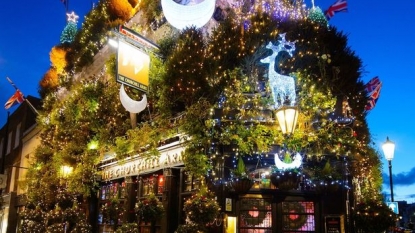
(70, 30)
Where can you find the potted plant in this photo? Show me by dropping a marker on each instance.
(288, 177)
(202, 208)
(149, 210)
(327, 179)
(241, 182)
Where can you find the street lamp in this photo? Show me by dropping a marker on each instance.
(389, 150)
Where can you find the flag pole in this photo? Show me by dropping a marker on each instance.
(24, 98)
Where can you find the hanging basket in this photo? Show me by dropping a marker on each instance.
(327, 185)
(286, 180)
(242, 186)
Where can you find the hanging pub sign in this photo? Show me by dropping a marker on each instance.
(133, 61)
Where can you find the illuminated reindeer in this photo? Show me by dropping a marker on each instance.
(282, 86)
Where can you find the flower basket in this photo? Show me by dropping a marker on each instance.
(150, 209)
(286, 180)
(327, 185)
(327, 179)
(201, 208)
(240, 182)
(242, 186)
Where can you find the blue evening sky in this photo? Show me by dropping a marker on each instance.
(380, 33)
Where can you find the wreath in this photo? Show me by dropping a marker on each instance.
(295, 218)
(252, 214)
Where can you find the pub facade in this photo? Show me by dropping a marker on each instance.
(263, 207)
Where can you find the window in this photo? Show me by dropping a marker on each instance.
(17, 136)
(255, 215)
(9, 143)
(298, 217)
(1, 147)
(190, 183)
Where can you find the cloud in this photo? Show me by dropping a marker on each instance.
(403, 178)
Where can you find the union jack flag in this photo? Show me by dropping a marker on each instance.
(374, 94)
(339, 6)
(372, 84)
(17, 97)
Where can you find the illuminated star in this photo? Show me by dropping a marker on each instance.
(72, 17)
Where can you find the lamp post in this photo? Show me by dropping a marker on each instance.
(389, 150)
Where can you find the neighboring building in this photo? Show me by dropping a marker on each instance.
(406, 214)
(16, 146)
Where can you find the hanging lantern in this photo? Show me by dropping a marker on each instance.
(287, 117)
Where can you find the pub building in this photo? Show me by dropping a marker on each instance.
(261, 208)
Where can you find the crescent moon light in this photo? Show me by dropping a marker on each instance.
(131, 105)
(296, 163)
(182, 16)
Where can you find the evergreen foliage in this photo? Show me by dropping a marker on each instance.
(211, 87)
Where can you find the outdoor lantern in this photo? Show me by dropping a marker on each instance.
(287, 117)
(388, 149)
(66, 171)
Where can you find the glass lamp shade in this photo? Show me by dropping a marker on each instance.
(287, 118)
(66, 171)
(388, 148)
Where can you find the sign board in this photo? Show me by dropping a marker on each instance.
(133, 61)
(334, 224)
(139, 165)
(132, 66)
(393, 205)
(228, 204)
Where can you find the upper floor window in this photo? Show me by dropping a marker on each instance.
(1, 147)
(17, 136)
(9, 143)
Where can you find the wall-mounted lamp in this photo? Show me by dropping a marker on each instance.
(287, 118)
(113, 43)
(66, 171)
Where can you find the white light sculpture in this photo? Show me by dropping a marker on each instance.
(182, 16)
(282, 86)
(131, 105)
(296, 163)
